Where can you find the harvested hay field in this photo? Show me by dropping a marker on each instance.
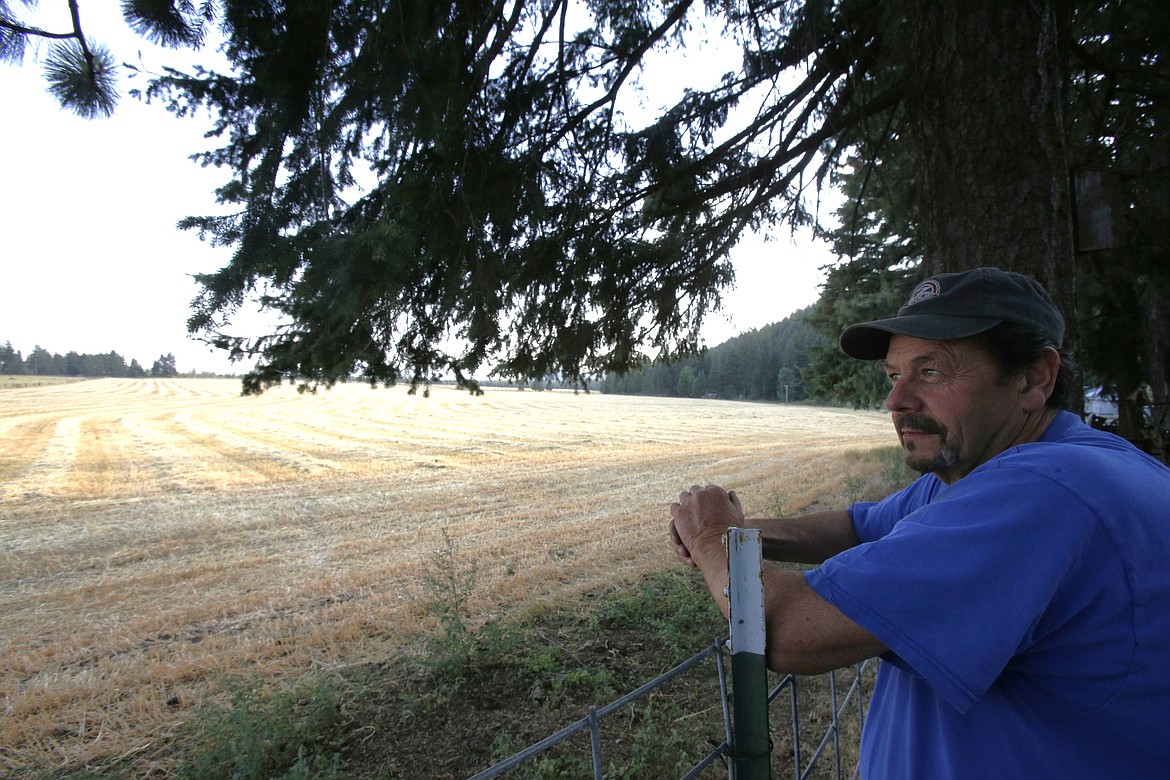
(159, 536)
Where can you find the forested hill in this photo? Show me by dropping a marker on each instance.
(760, 365)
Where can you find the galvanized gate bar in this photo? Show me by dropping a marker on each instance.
(595, 741)
(751, 748)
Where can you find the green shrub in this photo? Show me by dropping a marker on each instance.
(291, 734)
(445, 592)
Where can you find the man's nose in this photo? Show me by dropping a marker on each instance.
(902, 398)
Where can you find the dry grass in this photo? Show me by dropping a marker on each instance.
(158, 535)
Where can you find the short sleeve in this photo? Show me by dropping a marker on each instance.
(956, 587)
(874, 519)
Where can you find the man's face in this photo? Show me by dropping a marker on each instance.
(951, 407)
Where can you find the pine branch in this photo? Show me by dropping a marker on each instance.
(21, 29)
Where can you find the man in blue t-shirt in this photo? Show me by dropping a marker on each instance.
(1018, 593)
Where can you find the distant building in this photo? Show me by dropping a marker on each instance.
(1099, 404)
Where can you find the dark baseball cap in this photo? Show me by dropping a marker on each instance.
(957, 306)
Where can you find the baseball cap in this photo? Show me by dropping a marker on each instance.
(957, 306)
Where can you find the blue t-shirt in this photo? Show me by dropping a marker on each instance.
(1027, 612)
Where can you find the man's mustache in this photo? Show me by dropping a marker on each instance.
(920, 423)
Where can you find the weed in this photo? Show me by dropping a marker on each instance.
(541, 659)
(658, 748)
(589, 684)
(291, 734)
(670, 607)
(445, 593)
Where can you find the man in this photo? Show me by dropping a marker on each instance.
(1018, 593)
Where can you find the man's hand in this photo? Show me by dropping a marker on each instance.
(699, 519)
(806, 634)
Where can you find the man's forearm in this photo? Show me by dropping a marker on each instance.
(809, 538)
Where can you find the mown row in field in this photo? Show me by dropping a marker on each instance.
(156, 535)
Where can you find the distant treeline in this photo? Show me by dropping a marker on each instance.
(760, 365)
(40, 362)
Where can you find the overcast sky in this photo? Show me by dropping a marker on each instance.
(91, 260)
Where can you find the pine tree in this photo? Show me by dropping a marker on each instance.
(164, 366)
(11, 362)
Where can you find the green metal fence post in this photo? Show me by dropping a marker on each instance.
(750, 745)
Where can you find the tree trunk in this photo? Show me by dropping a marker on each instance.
(985, 106)
(1158, 320)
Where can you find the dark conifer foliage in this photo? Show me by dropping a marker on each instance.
(764, 364)
(426, 189)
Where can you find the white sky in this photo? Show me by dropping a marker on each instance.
(91, 260)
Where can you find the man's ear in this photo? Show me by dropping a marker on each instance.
(1039, 380)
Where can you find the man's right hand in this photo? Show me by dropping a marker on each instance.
(700, 517)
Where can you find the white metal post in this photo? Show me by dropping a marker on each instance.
(749, 674)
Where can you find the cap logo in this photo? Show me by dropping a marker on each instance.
(924, 292)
